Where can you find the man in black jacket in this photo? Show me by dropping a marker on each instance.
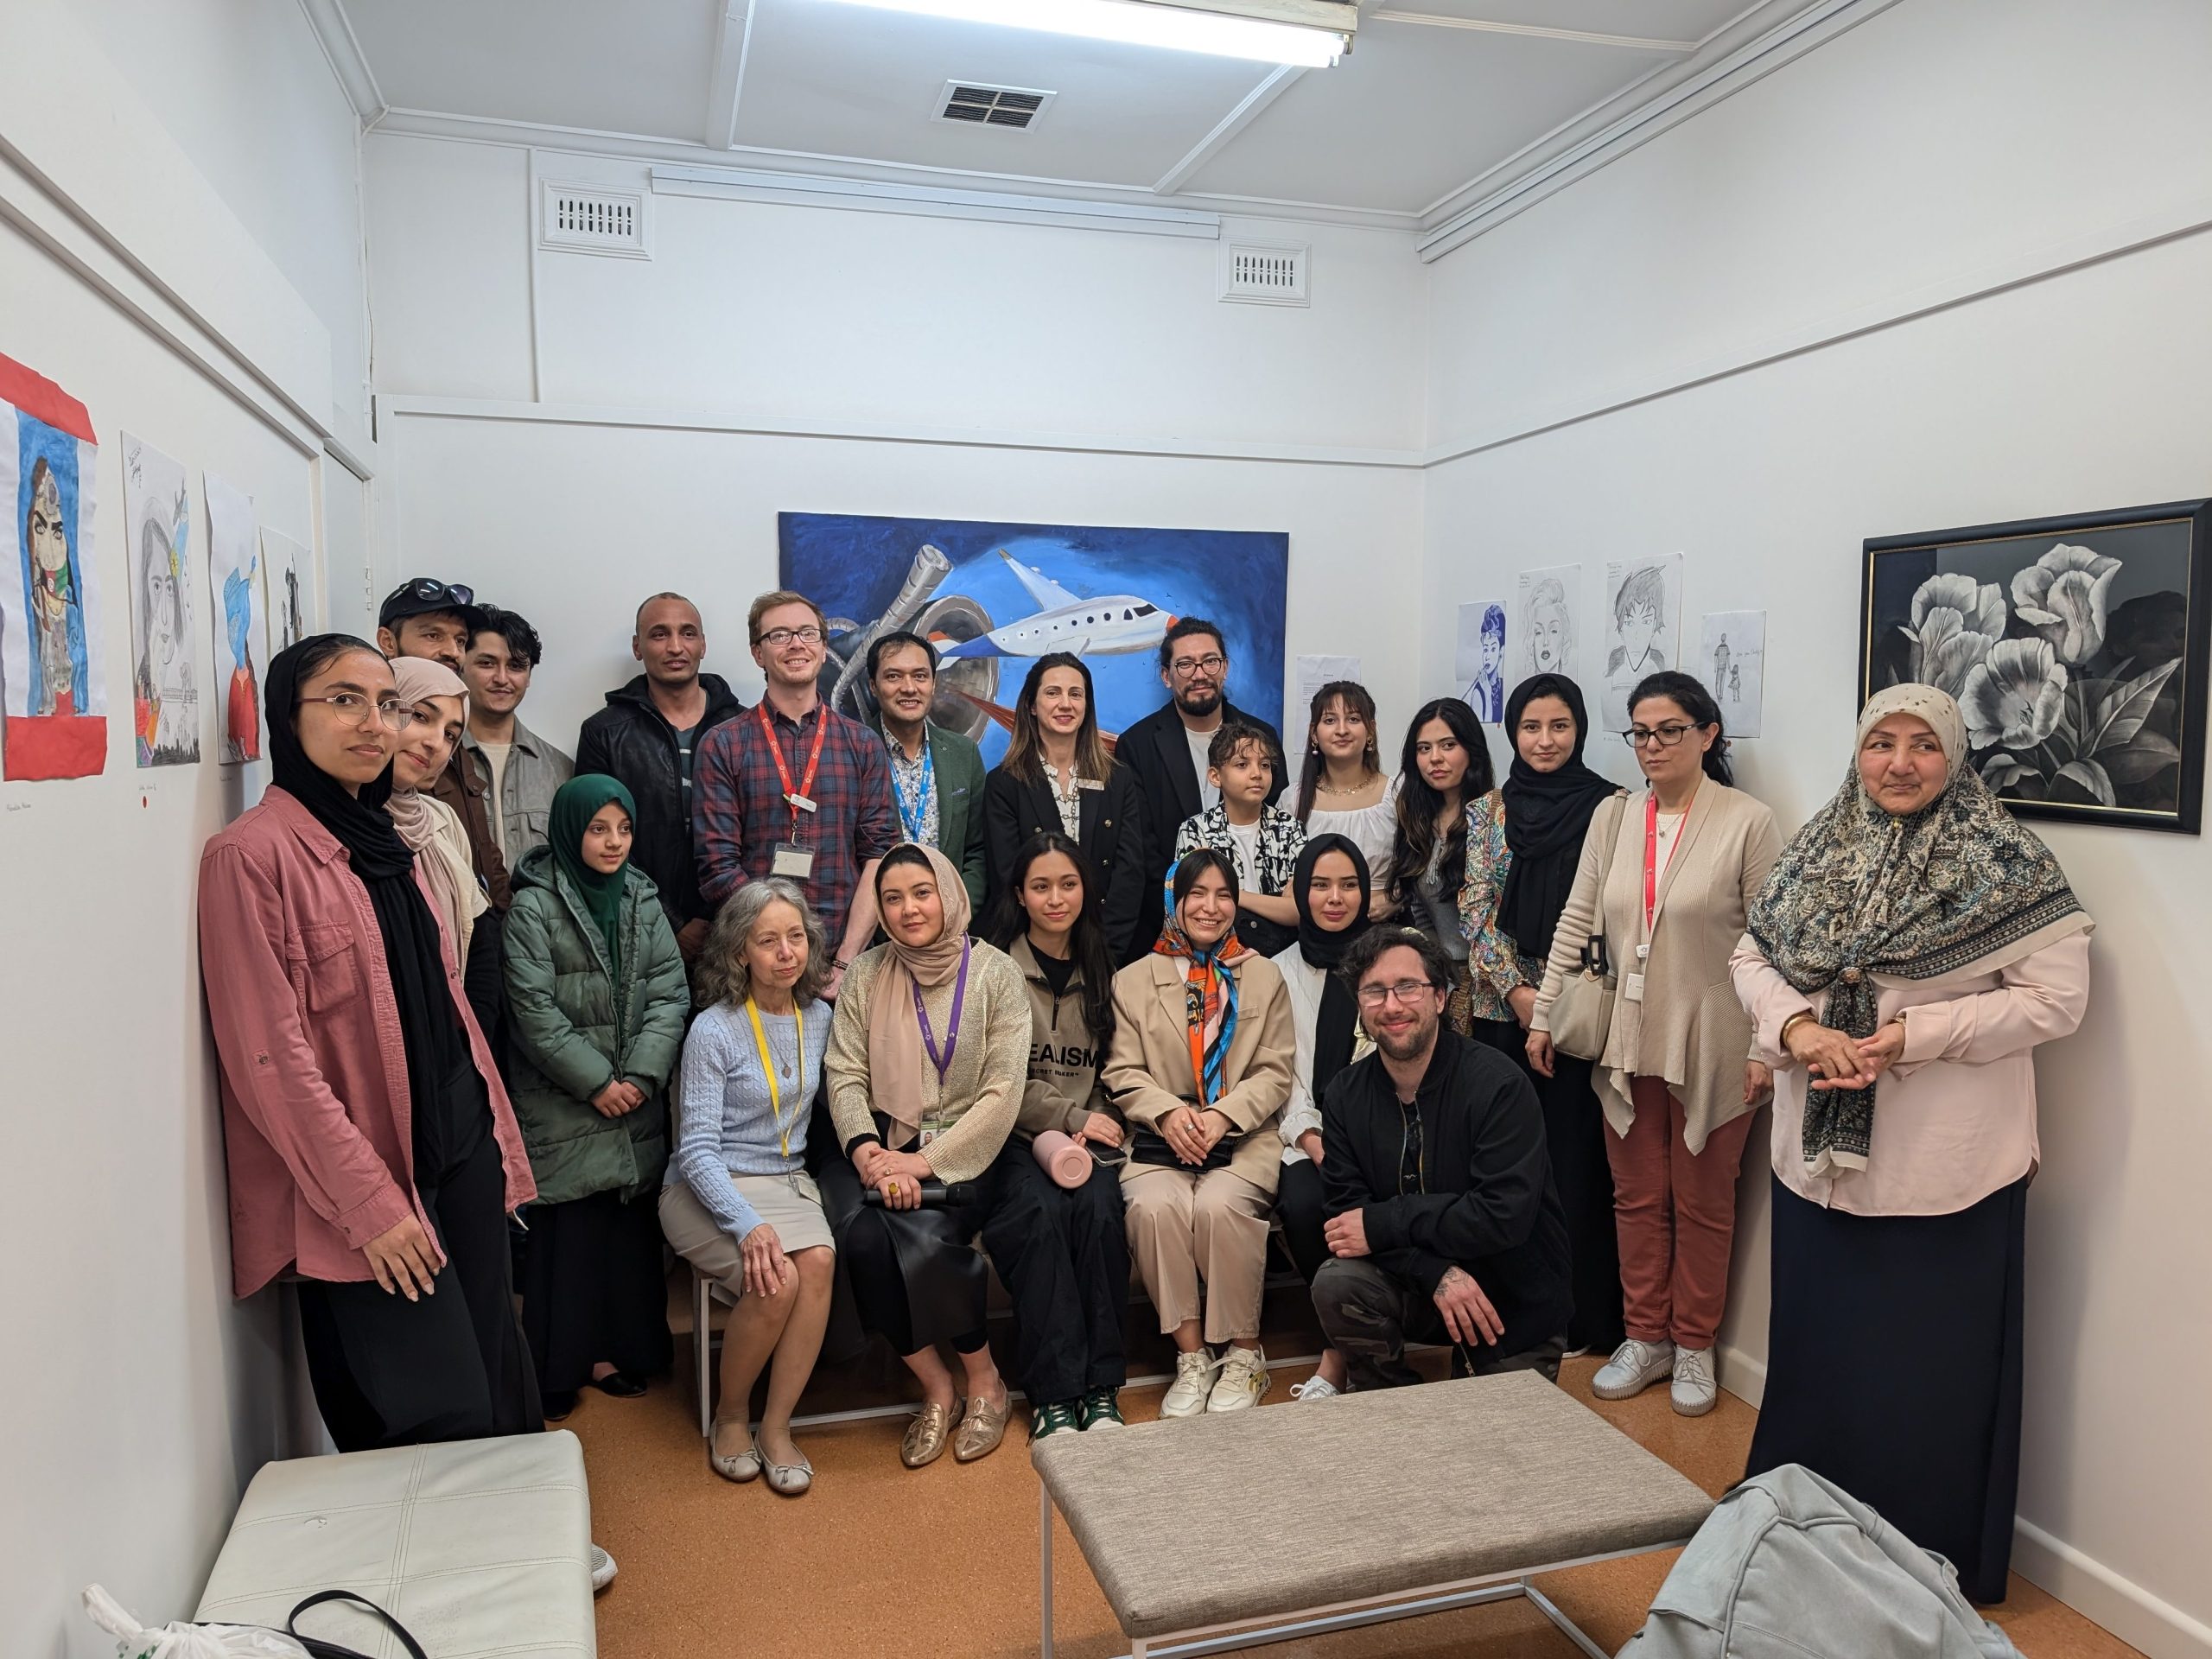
(1444, 1225)
(645, 737)
(1166, 750)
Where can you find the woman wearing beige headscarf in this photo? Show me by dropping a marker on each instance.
(929, 1053)
(433, 697)
(1910, 949)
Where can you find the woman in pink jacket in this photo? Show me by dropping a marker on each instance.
(371, 1150)
(1908, 951)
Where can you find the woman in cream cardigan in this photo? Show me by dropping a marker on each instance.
(1679, 863)
(1200, 1068)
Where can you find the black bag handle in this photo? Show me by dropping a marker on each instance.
(322, 1650)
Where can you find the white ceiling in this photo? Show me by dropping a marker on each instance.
(1417, 119)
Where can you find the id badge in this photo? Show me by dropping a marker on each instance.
(1633, 987)
(797, 862)
(927, 1135)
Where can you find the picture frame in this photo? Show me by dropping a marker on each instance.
(2077, 648)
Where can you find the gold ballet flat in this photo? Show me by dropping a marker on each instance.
(927, 1435)
(981, 1430)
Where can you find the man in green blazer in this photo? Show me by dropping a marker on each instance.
(937, 775)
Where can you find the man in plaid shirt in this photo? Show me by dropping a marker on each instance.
(744, 822)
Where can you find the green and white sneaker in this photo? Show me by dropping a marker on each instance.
(1060, 1415)
(1102, 1409)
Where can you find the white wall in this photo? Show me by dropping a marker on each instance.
(141, 1395)
(774, 358)
(1946, 148)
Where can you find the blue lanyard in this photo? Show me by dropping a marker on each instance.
(914, 819)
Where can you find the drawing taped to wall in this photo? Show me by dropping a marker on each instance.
(164, 672)
(1732, 661)
(241, 639)
(1644, 616)
(993, 596)
(56, 695)
(1542, 630)
(1479, 659)
(289, 568)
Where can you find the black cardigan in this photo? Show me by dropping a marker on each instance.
(1113, 839)
(1487, 1202)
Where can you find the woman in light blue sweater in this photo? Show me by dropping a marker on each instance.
(739, 1205)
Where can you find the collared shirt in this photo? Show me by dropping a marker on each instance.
(914, 783)
(738, 814)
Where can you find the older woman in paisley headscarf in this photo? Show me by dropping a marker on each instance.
(1909, 949)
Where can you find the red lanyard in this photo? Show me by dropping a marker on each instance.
(805, 792)
(1651, 854)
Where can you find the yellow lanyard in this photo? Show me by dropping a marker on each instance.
(768, 1070)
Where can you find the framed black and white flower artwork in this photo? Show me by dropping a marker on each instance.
(2076, 647)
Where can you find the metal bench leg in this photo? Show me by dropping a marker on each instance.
(1544, 1604)
(1045, 1568)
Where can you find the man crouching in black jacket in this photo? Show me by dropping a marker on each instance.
(1444, 1225)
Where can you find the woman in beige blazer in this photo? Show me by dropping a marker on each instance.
(1201, 1068)
(1667, 877)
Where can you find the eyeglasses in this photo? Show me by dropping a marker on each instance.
(354, 708)
(429, 588)
(777, 639)
(1407, 991)
(1666, 737)
(1184, 667)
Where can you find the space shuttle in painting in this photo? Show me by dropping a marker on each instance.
(1108, 626)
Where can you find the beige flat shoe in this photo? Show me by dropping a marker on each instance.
(789, 1479)
(927, 1435)
(981, 1430)
(740, 1466)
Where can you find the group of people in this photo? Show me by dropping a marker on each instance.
(819, 1002)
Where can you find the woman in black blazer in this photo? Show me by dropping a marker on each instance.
(1058, 775)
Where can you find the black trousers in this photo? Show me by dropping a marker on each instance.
(914, 1280)
(1301, 1209)
(1370, 1315)
(387, 1372)
(1574, 1136)
(593, 1289)
(1933, 1439)
(1064, 1258)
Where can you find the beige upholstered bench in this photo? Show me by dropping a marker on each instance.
(1404, 1501)
(480, 1547)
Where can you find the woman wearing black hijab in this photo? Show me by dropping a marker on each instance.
(1515, 897)
(1329, 885)
(371, 1149)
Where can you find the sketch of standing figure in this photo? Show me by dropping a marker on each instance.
(56, 623)
(1735, 685)
(1720, 663)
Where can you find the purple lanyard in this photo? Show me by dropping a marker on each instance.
(943, 1062)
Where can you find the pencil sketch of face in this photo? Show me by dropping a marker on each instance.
(159, 585)
(1639, 612)
(1550, 629)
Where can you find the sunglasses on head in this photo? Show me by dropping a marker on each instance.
(429, 589)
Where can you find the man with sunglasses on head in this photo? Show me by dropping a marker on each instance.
(796, 789)
(436, 619)
(1168, 748)
(1444, 1225)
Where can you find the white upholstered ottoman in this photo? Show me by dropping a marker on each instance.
(480, 1547)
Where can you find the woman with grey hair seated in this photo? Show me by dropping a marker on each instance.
(739, 1205)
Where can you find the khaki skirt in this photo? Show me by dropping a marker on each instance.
(789, 1204)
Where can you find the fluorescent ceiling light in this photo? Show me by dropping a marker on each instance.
(1141, 22)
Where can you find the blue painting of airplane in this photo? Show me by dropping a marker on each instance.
(993, 597)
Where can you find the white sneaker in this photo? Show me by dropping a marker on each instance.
(1316, 1386)
(1695, 1392)
(1244, 1381)
(602, 1569)
(1187, 1394)
(1634, 1367)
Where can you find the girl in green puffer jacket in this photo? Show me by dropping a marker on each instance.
(597, 1004)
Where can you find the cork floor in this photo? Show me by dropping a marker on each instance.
(943, 1562)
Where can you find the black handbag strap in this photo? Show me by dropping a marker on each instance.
(322, 1650)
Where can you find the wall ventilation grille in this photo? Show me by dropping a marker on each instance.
(577, 218)
(1017, 108)
(1255, 273)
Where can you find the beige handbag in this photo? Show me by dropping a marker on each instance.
(1582, 1012)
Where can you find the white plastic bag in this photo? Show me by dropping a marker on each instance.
(135, 1641)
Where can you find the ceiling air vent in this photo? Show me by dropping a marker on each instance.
(1013, 107)
(1265, 273)
(591, 218)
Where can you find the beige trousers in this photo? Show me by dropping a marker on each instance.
(1187, 1225)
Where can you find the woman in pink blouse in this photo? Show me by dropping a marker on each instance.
(1909, 949)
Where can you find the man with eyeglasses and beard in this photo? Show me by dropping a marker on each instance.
(1166, 749)
(793, 788)
(1444, 1226)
